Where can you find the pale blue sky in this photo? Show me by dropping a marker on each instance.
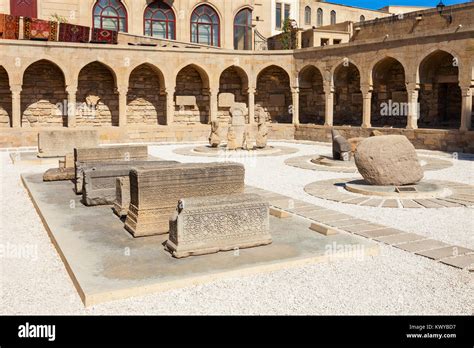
(381, 3)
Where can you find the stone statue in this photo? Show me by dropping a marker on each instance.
(232, 140)
(341, 149)
(214, 138)
(262, 134)
(247, 142)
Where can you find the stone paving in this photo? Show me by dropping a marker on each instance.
(304, 162)
(452, 255)
(459, 195)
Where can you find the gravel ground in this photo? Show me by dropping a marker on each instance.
(394, 282)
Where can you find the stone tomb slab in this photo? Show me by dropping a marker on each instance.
(106, 263)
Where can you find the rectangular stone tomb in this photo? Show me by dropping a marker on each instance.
(58, 143)
(154, 193)
(122, 196)
(207, 225)
(86, 157)
(100, 180)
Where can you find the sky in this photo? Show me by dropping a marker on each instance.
(376, 4)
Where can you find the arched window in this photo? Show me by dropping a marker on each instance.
(307, 15)
(362, 18)
(111, 15)
(319, 20)
(333, 17)
(243, 30)
(205, 26)
(160, 21)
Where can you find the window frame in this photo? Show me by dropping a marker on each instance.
(211, 24)
(248, 26)
(118, 17)
(167, 21)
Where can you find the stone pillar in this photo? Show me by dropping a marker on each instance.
(251, 95)
(122, 92)
(413, 108)
(71, 106)
(329, 105)
(213, 104)
(466, 113)
(366, 106)
(16, 105)
(170, 107)
(295, 92)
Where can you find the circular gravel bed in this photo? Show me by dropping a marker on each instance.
(430, 194)
(325, 163)
(222, 152)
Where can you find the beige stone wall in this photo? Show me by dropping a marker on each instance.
(5, 100)
(274, 94)
(43, 96)
(146, 104)
(431, 139)
(80, 12)
(343, 13)
(96, 97)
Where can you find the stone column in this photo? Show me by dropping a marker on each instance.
(213, 104)
(16, 105)
(329, 105)
(71, 106)
(295, 92)
(251, 95)
(170, 107)
(413, 108)
(122, 92)
(366, 106)
(466, 113)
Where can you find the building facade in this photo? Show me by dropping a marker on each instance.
(423, 62)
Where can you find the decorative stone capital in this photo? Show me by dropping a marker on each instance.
(16, 89)
(122, 90)
(251, 90)
(412, 87)
(366, 90)
(467, 91)
(329, 89)
(295, 90)
(71, 89)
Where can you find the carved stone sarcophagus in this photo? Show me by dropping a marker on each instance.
(154, 193)
(100, 179)
(206, 225)
(86, 157)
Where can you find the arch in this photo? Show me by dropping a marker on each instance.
(192, 104)
(347, 96)
(312, 99)
(389, 95)
(440, 95)
(110, 14)
(159, 20)
(102, 63)
(274, 93)
(320, 17)
(43, 95)
(205, 26)
(201, 70)
(307, 15)
(97, 100)
(145, 103)
(333, 17)
(362, 18)
(233, 85)
(243, 29)
(5, 99)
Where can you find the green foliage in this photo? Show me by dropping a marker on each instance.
(288, 37)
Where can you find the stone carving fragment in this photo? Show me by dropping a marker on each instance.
(208, 225)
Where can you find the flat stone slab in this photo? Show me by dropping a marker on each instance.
(59, 174)
(400, 238)
(464, 261)
(380, 233)
(58, 143)
(451, 251)
(422, 245)
(106, 263)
